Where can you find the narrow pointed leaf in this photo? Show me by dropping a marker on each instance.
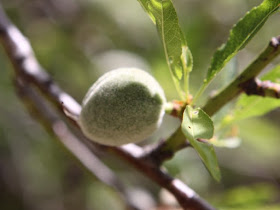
(178, 55)
(198, 125)
(240, 35)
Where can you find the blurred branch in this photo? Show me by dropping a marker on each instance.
(29, 70)
(25, 64)
(240, 83)
(262, 88)
(38, 108)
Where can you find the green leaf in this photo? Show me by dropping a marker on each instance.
(145, 5)
(253, 106)
(273, 75)
(178, 55)
(198, 125)
(240, 35)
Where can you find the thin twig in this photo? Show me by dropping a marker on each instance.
(262, 88)
(26, 65)
(240, 83)
(166, 149)
(244, 82)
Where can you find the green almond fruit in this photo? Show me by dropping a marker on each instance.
(123, 106)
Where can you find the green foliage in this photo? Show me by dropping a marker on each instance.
(239, 36)
(197, 125)
(252, 106)
(70, 47)
(179, 61)
(273, 75)
(258, 196)
(178, 55)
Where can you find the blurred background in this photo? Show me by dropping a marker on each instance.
(79, 40)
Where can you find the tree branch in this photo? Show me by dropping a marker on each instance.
(244, 82)
(262, 88)
(30, 71)
(237, 85)
(166, 149)
(38, 108)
